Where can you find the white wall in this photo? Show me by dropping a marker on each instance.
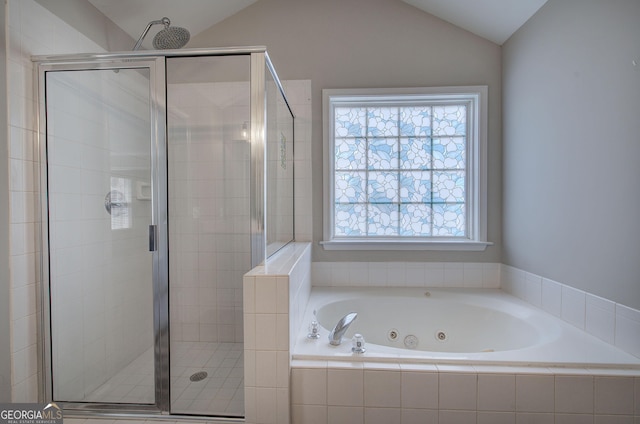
(371, 43)
(88, 20)
(571, 147)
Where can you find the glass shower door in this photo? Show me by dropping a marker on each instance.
(102, 258)
(209, 158)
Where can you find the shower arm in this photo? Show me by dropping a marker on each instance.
(165, 21)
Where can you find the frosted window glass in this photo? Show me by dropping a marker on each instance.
(400, 170)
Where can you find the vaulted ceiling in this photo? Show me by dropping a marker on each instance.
(494, 20)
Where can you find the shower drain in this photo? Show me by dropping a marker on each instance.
(199, 376)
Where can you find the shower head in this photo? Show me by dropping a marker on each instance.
(167, 38)
(171, 37)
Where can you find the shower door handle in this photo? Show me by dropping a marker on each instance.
(153, 236)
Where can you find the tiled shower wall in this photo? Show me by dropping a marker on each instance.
(209, 199)
(53, 37)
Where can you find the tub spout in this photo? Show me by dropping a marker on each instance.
(335, 337)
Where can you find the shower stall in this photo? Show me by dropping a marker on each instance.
(165, 176)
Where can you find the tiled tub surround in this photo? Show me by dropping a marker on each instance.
(406, 274)
(609, 321)
(332, 390)
(366, 392)
(480, 326)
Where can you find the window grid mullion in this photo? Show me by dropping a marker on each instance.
(431, 169)
(399, 208)
(366, 187)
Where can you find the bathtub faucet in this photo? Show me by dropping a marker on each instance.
(335, 337)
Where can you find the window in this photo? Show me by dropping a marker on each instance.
(405, 169)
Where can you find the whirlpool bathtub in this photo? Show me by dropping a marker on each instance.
(458, 326)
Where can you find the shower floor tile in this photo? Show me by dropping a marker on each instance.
(221, 393)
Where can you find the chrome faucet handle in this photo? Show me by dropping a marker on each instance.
(313, 330)
(358, 344)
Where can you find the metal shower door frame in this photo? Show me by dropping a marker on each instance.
(155, 61)
(160, 260)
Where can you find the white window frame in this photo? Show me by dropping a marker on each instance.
(476, 177)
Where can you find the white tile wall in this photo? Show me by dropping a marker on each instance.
(552, 297)
(310, 414)
(458, 391)
(419, 388)
(496, 392)
(496, 418)
(612, 322)
(533, 285)
(209, 206)
(311, 386)
(534, 393)
(573, 306)
(534, 418)
(627, 329)
(329, 392)
(600, 318)
(457, 417)
(382, 415)
(345, 386)
(382, 387)
(418, 416)
(614, 395)
(406, 274)
(345, 414)
(22, 42)
(273, 294)
(574, 394)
